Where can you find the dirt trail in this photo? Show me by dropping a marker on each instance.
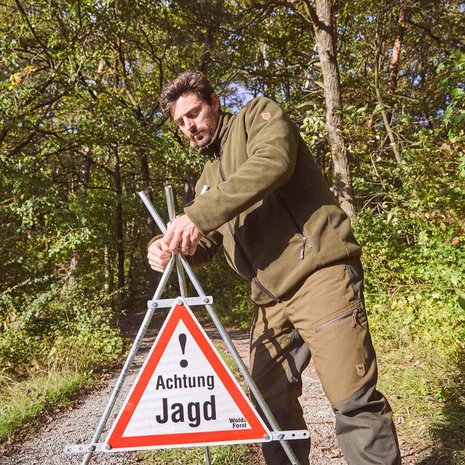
(77, 424)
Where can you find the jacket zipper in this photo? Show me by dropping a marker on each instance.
(352, 313)
(253, 275)
(297, 227)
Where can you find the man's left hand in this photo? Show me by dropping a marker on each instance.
(182, 236)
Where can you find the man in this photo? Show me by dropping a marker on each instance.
(263, 198)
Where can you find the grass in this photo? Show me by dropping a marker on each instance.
(220, 455)
(25, 402)
(427, 394)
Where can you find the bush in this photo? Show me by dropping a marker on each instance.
(58, 327)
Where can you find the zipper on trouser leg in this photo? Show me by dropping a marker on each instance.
(352, 313)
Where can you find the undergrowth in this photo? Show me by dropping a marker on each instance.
(220, 455)
(414, 258)
(25, 402)
(50, 345)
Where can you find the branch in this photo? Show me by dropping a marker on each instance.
(424, 28)
(387, 125)
(21, 145)
(34, 33)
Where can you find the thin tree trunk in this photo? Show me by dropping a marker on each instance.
(395, 59)
(145, 172)
(119, 217)
(83, 180)
(189, 185)
(215, 9)
(150, 223)
(396, 52)
(108, 272)
(323, 27)
(384, 114)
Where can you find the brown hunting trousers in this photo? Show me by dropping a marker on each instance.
(324, 318)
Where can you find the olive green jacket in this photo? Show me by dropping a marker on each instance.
(267, 203)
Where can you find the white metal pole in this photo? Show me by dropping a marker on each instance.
(181, 278)
(135, 347)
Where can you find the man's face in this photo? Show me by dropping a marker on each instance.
(196, 118)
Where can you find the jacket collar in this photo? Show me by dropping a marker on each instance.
(213, 150)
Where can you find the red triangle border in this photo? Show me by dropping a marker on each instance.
(256, 433)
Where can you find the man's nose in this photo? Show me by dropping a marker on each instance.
(190, 125)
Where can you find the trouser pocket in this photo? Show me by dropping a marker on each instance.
(342, 351)
(353, 314)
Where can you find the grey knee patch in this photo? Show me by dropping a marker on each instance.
(365, 398)
(299, 357)
(355, 273)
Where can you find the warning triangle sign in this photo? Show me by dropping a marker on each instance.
(185, 395)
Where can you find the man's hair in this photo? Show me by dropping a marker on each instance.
(187, 82)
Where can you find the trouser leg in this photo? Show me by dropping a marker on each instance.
(278, 357)
(328, 311)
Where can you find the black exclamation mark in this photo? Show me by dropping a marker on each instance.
(182, 341)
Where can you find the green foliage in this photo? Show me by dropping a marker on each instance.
(412, 231)
(414, 250)
(81, 133)
(58, 328)
(452, 73)
(231, 293)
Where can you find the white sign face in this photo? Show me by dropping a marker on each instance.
(185, 395)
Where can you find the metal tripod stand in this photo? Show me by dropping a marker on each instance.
(183, 266)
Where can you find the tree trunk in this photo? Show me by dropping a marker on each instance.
(145, 172)
(119, 217)
(395, 60)
(150, 223)
(326, 42)
(213, 14)
(108, 271)
(386, 119)
(189, 185)
(396, 51)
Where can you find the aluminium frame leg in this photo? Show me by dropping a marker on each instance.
(180, 271)
(134, 349)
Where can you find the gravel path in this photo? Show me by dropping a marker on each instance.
(77, 424)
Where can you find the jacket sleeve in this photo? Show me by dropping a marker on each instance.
(207, 247)
(209, 244)
(272, 142)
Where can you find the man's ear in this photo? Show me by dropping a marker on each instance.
(215, 101)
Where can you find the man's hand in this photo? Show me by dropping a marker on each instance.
(158, 255)
(182, 236)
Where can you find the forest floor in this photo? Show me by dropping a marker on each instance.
(76, 424)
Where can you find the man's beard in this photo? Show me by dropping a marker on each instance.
(207, 132)
(203, 142)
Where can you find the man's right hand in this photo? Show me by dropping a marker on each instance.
(158, 255)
